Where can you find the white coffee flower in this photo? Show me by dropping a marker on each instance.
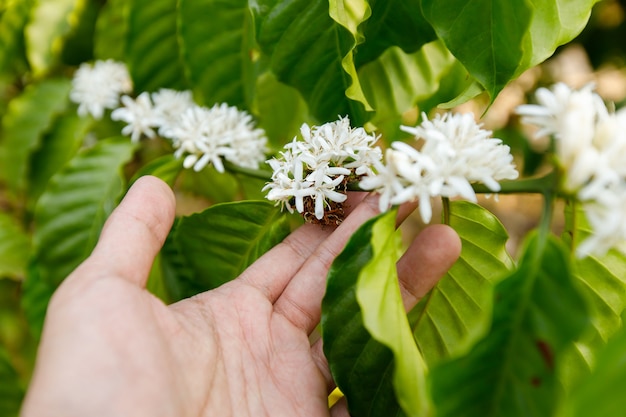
(169, 105)
(206, 136)
(311, 174)
(288, 186)
(338, 143)
(139, 115)
(608, 222)
(97, 87)
(571, 118)
(590, 149)
(456, 153)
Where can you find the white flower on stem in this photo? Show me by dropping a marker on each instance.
(571, 117)
(405, 176)
(590, 149)
(608, 222)
(247, 143)
(288, 183)
(464, 153)
(206, 136)
(456, 153)
(311, 174)
(169, 105)
(97, 87)
(324, 181)
(139, 115)
(337, 142)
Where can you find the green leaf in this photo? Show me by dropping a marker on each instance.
(457, 312)
(72, 211)
(58, 146)
(175, 273)
(111, 30)
(51, 22)
(487, 36)
(152, 50)
(222, 241)
(36, 294)
(307, 48)
(14, 247)
(396, 81)
(602, 392)
(512, 371)
(28, 117)
(553, 23)
(602, 281)
(166, 167)
(156, 284)
(218, 56)
(208, 183)
(376, 365)
(279, 108)
(11, 391)
(379, 297)
(350, 14)
(393, 23)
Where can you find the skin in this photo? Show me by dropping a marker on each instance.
(110, 348)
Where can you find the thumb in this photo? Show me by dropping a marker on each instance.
(135, 231)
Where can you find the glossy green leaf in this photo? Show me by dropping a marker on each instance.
(602, 392)
(393, 23)
(220, 242)
(457, 312)
(396, 82)
(28, 117)
(14, 247)
(51, 22)
(378, 294)
(306, 48)
(152, 49)
(512, 371)
(553, 23)
(351, 14)
(111, 30)
(218, 57)
(72, 211)
(367, 340)
(496, 40)
(485, 35)
(57, 147)
(11, 391)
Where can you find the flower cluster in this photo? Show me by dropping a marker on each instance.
(311, 174)
(199, 134)
(98, 87)
(590, 148)
(455, 153)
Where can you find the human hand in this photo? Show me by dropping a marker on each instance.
(110, 348)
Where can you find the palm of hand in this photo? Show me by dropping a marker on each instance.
(242, 349)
